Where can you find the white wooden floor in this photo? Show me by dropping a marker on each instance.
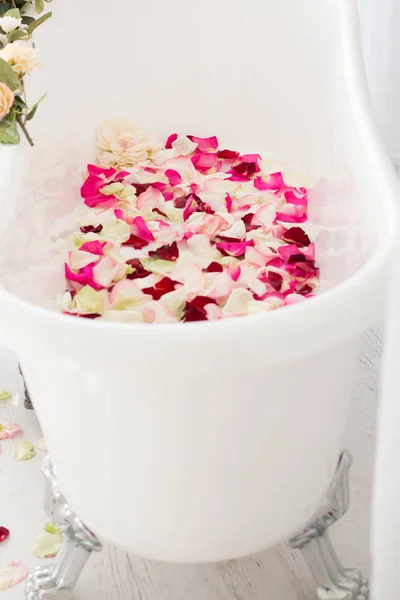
(276, 574)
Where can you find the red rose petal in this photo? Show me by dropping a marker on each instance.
(4, 533)
(160, 212)
(214, 267)
(140, 272)
(244, 171)
(195, 311)
(296, 235)
(296, 258)
(247, 219)
(275, 280)
(227, 154)
(164, 286)
(91, 229)
(167, 252)
(136, 242)
(141, 187)
(180, 202)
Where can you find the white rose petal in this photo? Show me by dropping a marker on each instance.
(8, 24)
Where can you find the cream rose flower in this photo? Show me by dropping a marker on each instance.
(8, 23)
(22, 59)
(123, 145)
(6, 100)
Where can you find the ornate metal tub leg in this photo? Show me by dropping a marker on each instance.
(333, 580)
(57, 581)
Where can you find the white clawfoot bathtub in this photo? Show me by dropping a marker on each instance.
(204, 441)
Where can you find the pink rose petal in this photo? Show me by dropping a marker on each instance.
(150, 199)
(12, 574)
(173, 177)
(83, 276)
(9, 431)
(94, 247)
(273, 182)
(234, 248)
(140, 229)
(203, 161)
(100, 171)
(205, 144)
(251, 158)
(172, 138)
(190, 207)
(105, 271)
(264, 216)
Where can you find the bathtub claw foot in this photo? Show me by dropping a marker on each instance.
(333, 581)
(57, 581)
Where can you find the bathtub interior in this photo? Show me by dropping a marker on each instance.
(268, 79)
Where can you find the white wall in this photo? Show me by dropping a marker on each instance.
(380, 27)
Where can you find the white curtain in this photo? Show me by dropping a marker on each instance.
(380, 28)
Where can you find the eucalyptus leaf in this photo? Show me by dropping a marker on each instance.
(19, 104)
(8, 76)
(27, 20)
(24, 7)
(17, 34)
(13, 12)
(33, 109)
(39, 21)
(4, 7)
(39, 6)
(8, 132)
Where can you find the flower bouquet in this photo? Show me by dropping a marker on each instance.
(18, 20)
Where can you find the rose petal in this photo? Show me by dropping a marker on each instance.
(234, 248)
(150, 199)
(126, 294)
(196, 309)
(89, 301)
(173, 177)
(94, 247)
(83, 277)
(273, 182)
(170, 140)
(205, 144)
(168, 252)
(164, 286)
(97, 171)
(140, 229)
(12, 574)
(47, 545)
(227, 154)
(264, 216)
(24, 451)
(184, 145)
(9, 431)
(4, 534)
(296, 235)
(204, 161)
(214, 267)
